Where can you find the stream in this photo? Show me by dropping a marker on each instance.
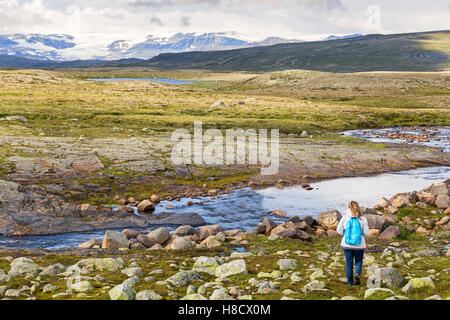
(244, 209)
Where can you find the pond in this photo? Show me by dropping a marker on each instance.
(166, 81)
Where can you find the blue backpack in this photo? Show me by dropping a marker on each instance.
(353, 232)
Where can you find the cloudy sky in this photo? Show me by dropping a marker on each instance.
(105, 20)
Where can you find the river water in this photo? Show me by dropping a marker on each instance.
(243, 209)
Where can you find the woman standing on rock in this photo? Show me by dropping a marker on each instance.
(354, 227)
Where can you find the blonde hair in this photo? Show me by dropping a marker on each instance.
(355, 209)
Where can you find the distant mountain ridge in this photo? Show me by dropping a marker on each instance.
(63, 47)
(186, 42)
(333, 37)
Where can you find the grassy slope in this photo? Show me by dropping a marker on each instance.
(292, 101)
(400, 52)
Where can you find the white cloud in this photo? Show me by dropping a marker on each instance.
(103, 21)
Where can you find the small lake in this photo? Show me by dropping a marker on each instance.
(243, 209)
(166, 81)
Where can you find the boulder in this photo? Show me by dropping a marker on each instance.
(417, 284)
(211, 242)
(159, 235)
(132, 272)
(91, 243)
(373, 233)
(375, 221)
(146, 206)
(22, 267)
(206, 264)
(145, 240)
(382, 203)
(81, 286)
(184, 278)
(194, 297)
(282, 232)
(385, 278)
(130, 234)
(378, 294)
(53, 270)
(208, 231)
(102, 264)
(114, 240)
(390, 233)
(426, 197)
(315, 286)
(439, 188)
(148, 295)
(181, 243)
(232, 268)
(183, 231)
(220, 294)
(329, 219)
(287, 264)
(266, 226)
(400, 201)
(122, 292)
(442, 201)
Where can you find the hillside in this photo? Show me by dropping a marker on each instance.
(425, 51)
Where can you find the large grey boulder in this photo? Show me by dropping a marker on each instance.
(159, 235)
(232, 268)
(385, 278)
(206, 264)
(184, 278)
(22, 267)
(114, 240)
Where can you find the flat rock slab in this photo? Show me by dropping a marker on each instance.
(181, 219)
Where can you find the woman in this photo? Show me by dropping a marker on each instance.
(352, 243)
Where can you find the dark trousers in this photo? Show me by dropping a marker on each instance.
(357, 255)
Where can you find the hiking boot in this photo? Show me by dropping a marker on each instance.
(357, 280)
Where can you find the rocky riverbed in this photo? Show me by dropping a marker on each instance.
(53, 185)
(407, 258)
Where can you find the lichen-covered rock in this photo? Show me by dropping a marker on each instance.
(50, 288)
(133, 272)
(122, 292)
(385, 278)
(417, 284)
(195, 296)
(81, 286)
(53, 270)
(378, 294)
(148, 295)
(184, 278)
(102, 264)
(114, 240)
(206, 264)
(232, 268)
(315, 286)
(287, 264)
(220, 294)
(22, 267)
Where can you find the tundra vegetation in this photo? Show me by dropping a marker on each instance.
(121, 132)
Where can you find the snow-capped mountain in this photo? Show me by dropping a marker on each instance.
(35, 46)
(333, 37)
(62, 47)
(184, 42)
